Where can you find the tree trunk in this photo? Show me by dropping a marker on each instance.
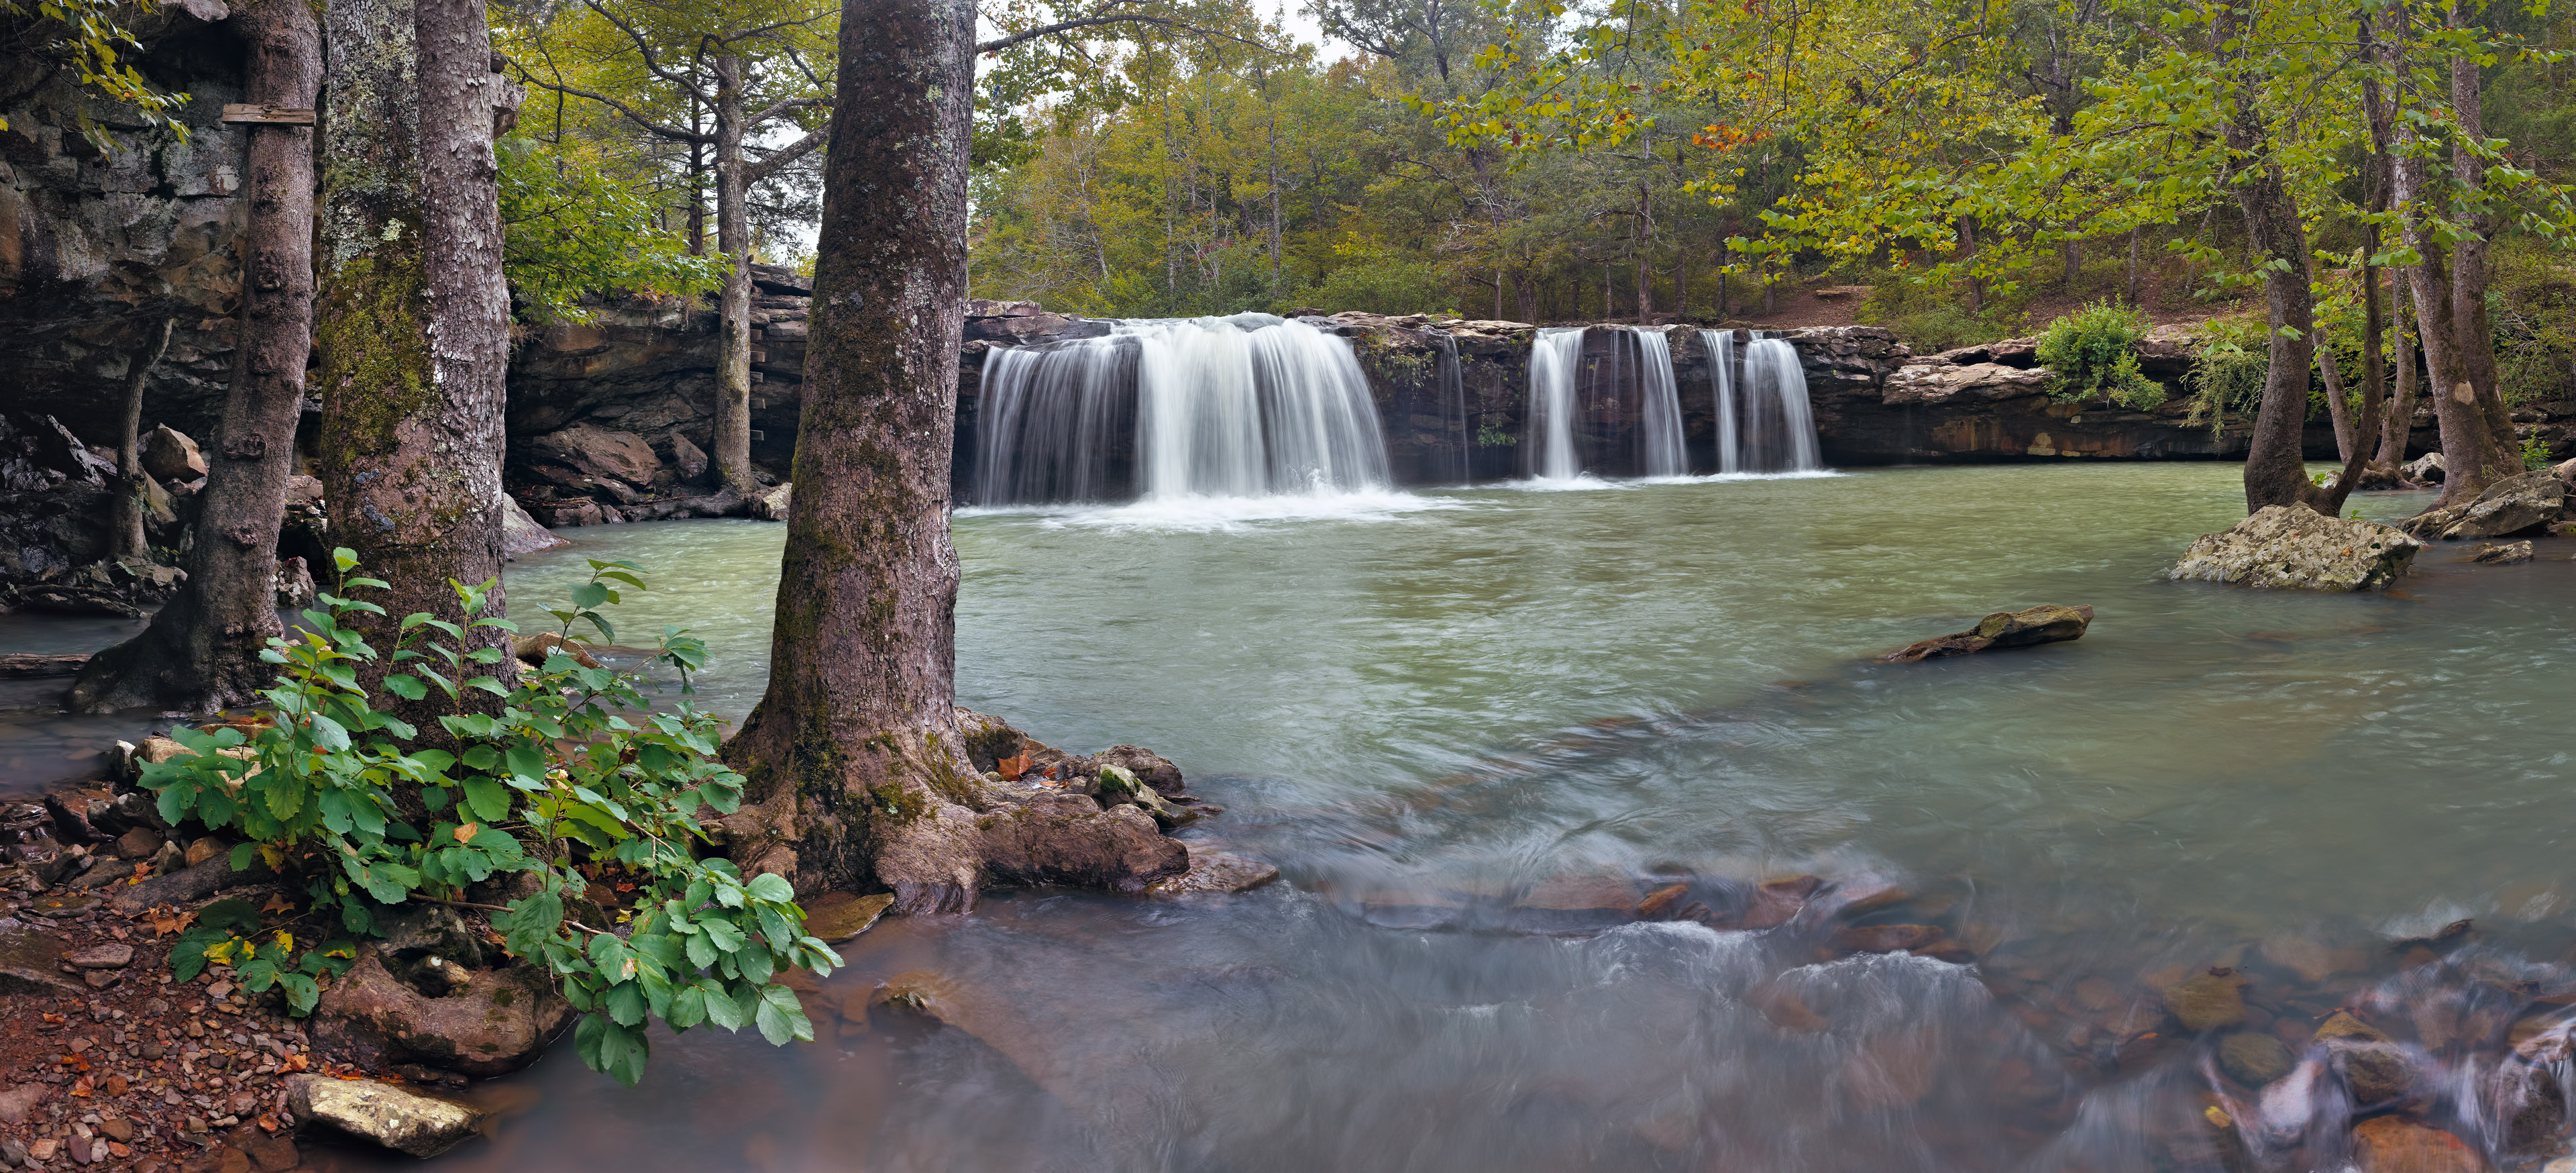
(858, 775)
(414, 329)
(201, 651)
(2134, 298)
(2338, 407)
(733, 331)
(2469, 254)
(1967, 249)
(125, 535)
(2328, 499)
(2275, 468)
(2400, 429)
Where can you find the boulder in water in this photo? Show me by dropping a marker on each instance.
(482, 1023)
(772, 505)
(2044, 624)
(398, 1119)
(2521, 502)
(2255, 1059)
(1215, 871)
(2373, 1067)
(2427, 469)
(2392, 1144)
(2293, 547)
(2208, 1000)
(520, 533)
(603, 453)
(2503, 553)
(2527, 1106)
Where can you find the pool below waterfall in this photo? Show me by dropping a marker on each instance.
(1453, 718)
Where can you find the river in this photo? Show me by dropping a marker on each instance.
(1433, 710)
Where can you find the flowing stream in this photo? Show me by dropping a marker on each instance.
(1455, 727)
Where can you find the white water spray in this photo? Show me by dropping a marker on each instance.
(1549, 430)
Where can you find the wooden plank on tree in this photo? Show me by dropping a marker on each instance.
(271, 115)
(18, 665)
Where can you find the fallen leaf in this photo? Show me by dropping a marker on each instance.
(465, 834)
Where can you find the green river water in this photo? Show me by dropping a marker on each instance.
(1420, 707)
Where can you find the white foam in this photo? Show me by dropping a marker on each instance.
(1195, 514)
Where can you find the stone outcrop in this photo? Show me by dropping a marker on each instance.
(2526, 502)
(434, 992)
(2292, 547)
(2047, 623)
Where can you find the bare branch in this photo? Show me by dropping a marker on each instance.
(998, 44)
(755, 172)
(645, 47)
(669, 132)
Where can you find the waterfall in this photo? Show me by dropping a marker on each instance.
(1779, 428)
(1453, 405)
(1721, 365)
(1548, 433)
(1053, 420)
(1246, 406)
(1659, 408)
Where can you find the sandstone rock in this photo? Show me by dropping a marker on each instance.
(1061, 838)
(1151, 768)
(497, 1022)
(1215, 871)
(2521, 502)
(2526, 1105)
(2043, 624)
(838, 916)
(574, 513)
(520, 533)
(1119, 785)
(604, 453)
(1662, 903)
(772, 505)
(1777, 902)
(2427, 468)
(2207, 1001)
(534, 649)
(400, 1120)
(171, 457)
(199, 881)
(18, 1101)
(30, 963)
(113, 955)
(1885, 938)
(2392, 1144)
(1936, 384)
(2292, 547)
(2502, 553)
(139, 843)
(2373, 1067)
(689, 459)
(2255, 1059)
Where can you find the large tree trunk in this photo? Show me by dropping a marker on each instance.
(2469, 255)
(125, 535)
(2399, 430)
(2275, 468)
(202, 649)
(733, 239)
(414, 330)
(857, 765)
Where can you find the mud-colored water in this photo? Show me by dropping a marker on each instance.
(1423, 709)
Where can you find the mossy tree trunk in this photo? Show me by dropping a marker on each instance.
(414, 318)
(125, 536)
(859, 775)
(201, 651)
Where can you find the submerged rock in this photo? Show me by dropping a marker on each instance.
(2391, 1144)
(1212, 870)
(2293, 547)
(478, 1022)
(2375, 1069)
(2255, 1059)
(2509, 506)
(2503, 553)
(2526, 1105)
(837, 916)
(2043, 624)
(400, 1120)
(2208, 1000)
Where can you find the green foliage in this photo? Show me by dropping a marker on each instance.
(2535, 454)
(2531, 308)
(571, 230)
(2094, 354)
(2227, 375)
(569, 775)
(96, 36)
(1393, 287)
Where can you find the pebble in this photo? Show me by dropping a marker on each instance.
(113, 955)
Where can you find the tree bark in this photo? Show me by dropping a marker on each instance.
(2469, 255)
(2399, 431)
(733, 311)
(201, 651)
(2134, 299)
(126, 538)
(2275, 468)
(414, 330)
(858, 775)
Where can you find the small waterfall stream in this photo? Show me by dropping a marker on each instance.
(1636, 420)
(1659, 407)
(1549, 427)
(1453, 408)
(1245, 406)
(1764, 422)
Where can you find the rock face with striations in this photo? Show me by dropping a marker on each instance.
(2293, 547)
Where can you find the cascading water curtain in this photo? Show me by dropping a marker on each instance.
(1453, 405)
(1251, 406)
(1779, 424)
(1548, 433)
(1659, 408)
(1052, 421)
(1721, 364)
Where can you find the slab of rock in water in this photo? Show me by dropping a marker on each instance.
(390, 1116)
(2255, 1059)
(2509, 506)
(2503, 553)
(2376, 1070)
(2044, 624)
(2391, 1144)
(2293, 547)
(2207, 1000)
(1215, 871)
(487, 1022)
(836, 920)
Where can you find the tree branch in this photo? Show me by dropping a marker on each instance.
(998, 44)
(755, 172)
(669, 132)
(645, 47)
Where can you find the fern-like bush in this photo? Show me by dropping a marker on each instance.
(2094, 354)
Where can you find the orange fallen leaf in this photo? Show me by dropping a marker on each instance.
(1011, 768)
(465, 833)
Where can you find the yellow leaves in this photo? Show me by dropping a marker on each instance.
(284, 939)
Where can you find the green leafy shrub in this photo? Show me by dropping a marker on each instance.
(2535, 454)
(2094, 354)
(1929, 320)
(569, 773)
(2227, 375)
